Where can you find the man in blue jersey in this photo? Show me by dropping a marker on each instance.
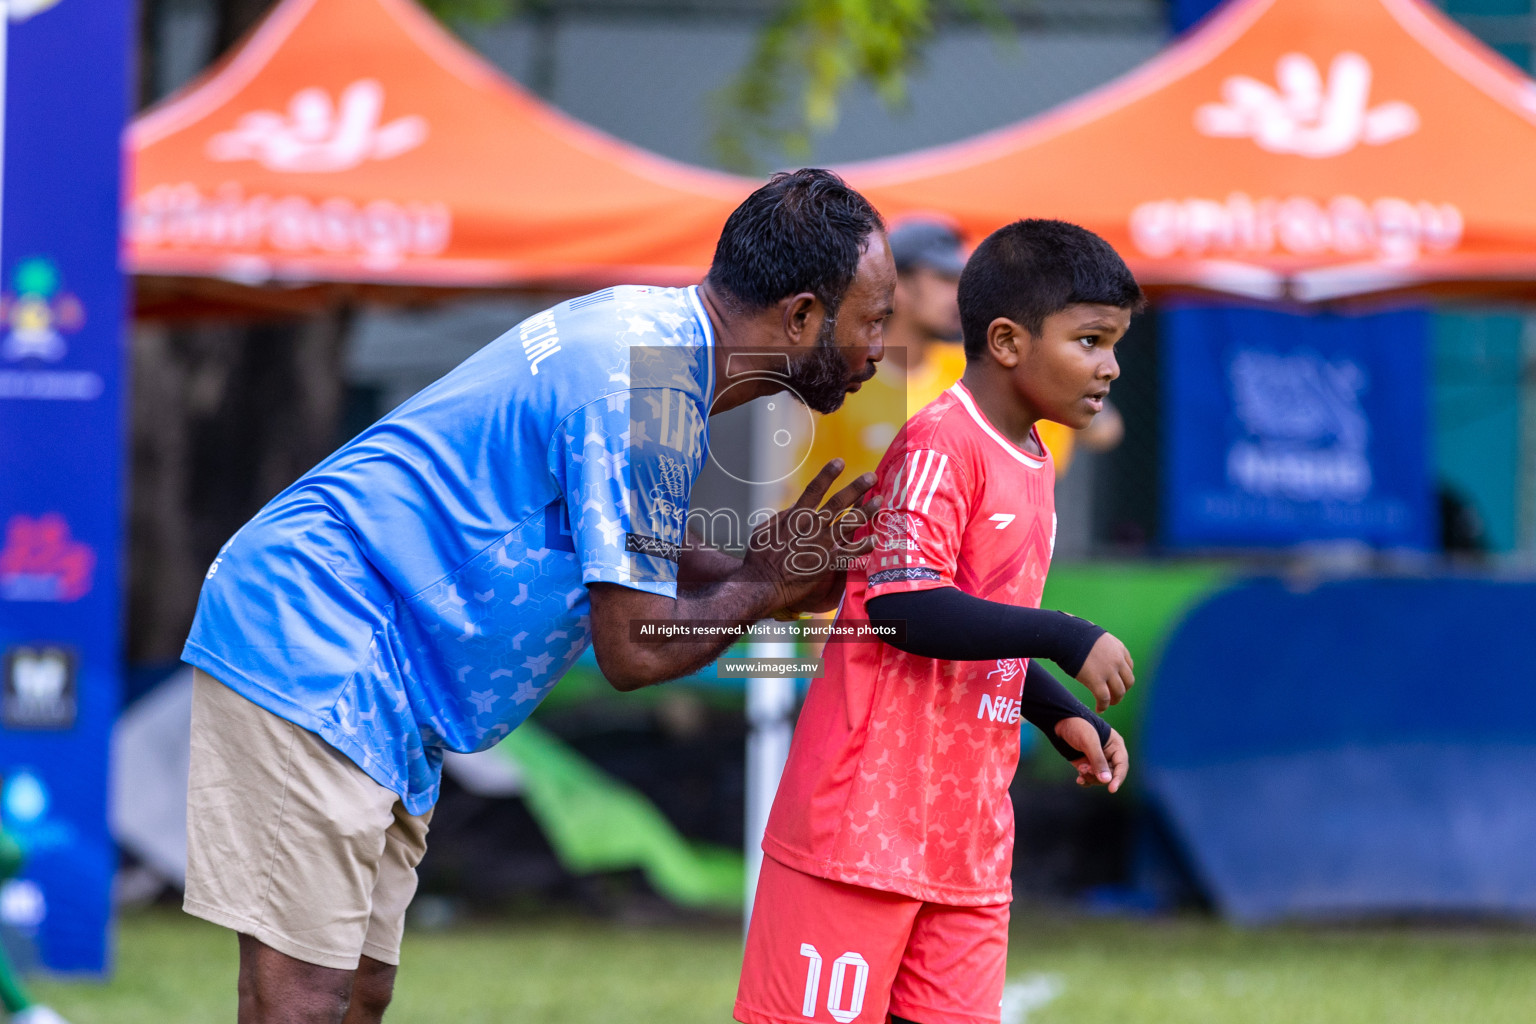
(423, 588)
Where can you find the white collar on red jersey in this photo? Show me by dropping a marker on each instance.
(958, 389)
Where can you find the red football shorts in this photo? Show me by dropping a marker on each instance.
(827, 951)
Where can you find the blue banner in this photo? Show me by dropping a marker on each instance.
(1330, 776)
(1283, 429)
(62, 306)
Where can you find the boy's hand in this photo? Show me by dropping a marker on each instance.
(1107, 671)
(1099, 766)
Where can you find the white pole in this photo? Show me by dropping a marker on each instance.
(769, 705)
(770, 702)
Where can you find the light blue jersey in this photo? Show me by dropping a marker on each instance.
(424, 587)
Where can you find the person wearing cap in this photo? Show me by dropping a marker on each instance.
(922, 337)
(922, 354)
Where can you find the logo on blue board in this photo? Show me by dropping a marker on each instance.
(37, 313)
(22, 904)
(22, 10)
(41, 561)
(26, 806)
(1305, 433)
(38, 687)
(24, 800)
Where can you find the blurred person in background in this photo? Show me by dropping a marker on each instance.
(425, 587)
(923, 336)
(922, 352)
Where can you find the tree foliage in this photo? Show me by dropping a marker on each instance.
(806, 58)
(481, 12)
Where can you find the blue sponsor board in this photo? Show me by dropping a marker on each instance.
(1292, 802)
(62, 305)
(1284, 429)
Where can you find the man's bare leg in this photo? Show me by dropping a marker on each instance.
(276, 988)
(372, 989)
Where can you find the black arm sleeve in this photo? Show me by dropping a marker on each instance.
(1047, 702)
(950, 624)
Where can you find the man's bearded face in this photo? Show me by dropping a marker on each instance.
(821, 377)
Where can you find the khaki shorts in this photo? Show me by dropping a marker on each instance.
(289, 841)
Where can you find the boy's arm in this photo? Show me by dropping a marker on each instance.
(1079, 735)
(1046, 702)
(1103, 764)
(947, 623)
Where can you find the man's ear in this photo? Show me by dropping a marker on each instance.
(799, 316)
(1006, 340)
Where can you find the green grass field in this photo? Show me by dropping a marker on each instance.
(175, 970)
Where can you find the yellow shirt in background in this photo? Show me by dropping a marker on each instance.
(861, 431)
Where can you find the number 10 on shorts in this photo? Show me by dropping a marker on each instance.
(835, 984)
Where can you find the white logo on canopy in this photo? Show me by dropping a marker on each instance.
(319, 136)
(1305, 115)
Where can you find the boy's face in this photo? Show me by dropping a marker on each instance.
(1064, 373)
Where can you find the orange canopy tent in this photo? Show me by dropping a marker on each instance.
(1304, 150)
(1308, 150)
(357, 141)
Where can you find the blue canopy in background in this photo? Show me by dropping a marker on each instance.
(1352, 749)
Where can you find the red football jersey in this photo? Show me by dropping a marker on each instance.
(899, 770)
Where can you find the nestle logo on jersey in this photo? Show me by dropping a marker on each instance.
(999, 709)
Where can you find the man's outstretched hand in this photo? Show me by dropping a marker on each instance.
(1104, 765)
(804, 551)
(798, 559)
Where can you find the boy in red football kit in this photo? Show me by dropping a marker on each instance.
(884, 893)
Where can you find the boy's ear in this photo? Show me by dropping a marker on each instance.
(1006, 340)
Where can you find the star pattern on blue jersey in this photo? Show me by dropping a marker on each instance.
(621, 477)
(614, 463)
(472, 600)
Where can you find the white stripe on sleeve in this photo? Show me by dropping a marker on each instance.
(938, 474)
(914, 493)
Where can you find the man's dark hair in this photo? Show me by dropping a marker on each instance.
(804, 231)
(1030, 269)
